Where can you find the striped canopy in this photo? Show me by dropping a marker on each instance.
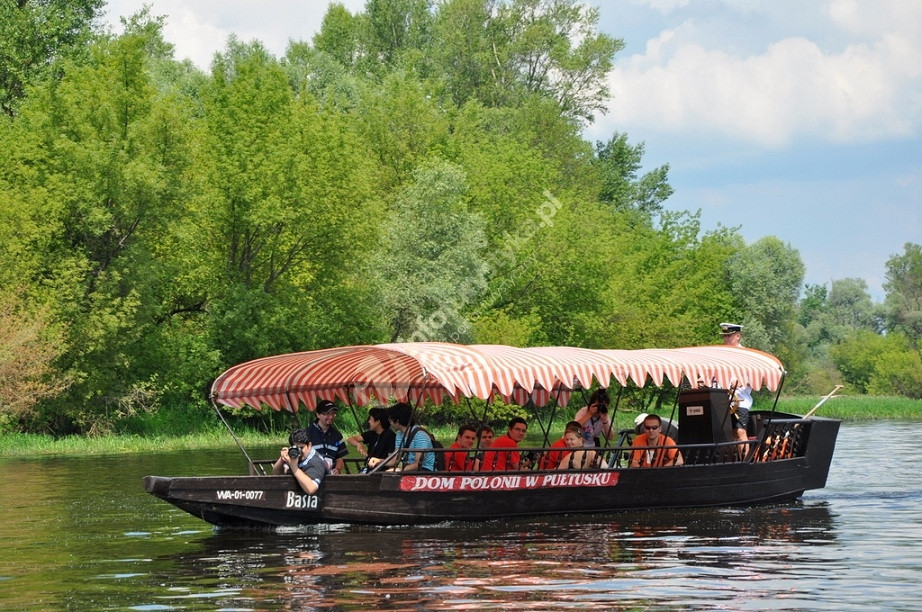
(415, 371)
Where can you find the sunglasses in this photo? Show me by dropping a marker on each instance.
(651, 427)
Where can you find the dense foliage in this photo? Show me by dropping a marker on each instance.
(417, 171)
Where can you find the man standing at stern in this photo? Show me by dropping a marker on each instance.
(741, 391)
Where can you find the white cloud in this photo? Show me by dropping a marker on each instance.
(194, 38)
(686, 80)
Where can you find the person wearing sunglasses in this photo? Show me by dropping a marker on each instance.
(653, 448)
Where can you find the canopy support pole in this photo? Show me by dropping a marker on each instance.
(534, 410)
(483, 421)
(350, 396)
(777, 397)
(233, 435)
(614, 416)
(470, 408)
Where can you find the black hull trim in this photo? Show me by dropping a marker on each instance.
(689, 487)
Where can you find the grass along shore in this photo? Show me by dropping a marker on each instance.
(847, 408)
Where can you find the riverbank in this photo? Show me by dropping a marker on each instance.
(847, 408)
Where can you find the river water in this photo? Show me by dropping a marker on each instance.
(82, 534)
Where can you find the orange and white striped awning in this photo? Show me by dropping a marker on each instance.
(415, 371)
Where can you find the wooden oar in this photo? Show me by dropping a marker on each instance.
(822, 401)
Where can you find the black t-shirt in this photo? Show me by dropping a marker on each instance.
(379, 446)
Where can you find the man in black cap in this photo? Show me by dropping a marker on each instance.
(326, 439)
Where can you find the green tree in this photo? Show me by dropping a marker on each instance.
(765, 279)
(394, 27)
(898, 371)
(828, 317)
(430, 267)
(904, 293)
(402, 124)
(34, 35)
(284, 204)
(813, 305)
(880, 365)
(618, 163)
(501, 52)
(850, 304)
(339, 35)
(99, 158)
(855, 357)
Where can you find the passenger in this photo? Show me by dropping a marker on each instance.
(326, 439)
(462, 460)
(418, 439)
(378, 441)
(579, 457)
(741, 396)
(594, 419)
(484, 440)
(506, 460)
(301, 460)
(551, 458)
(654, 457)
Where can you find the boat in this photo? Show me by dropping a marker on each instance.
(785, 455)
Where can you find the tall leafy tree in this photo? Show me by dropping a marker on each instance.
(402, 124)
(29, 345)
(429, 265)
(850, 305)
(904, 293)
(34, 34)
(393, 28)
(618, 163)
(880, 365)
(666, 283)
(765, 279)
(102, 153)
(284, 202)
(831, 316)
(813, 304)
(339, 35)
(499, 52)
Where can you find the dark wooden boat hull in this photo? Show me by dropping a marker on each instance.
(412, 498)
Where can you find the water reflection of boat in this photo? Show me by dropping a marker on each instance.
(786, 456)
(543, 561)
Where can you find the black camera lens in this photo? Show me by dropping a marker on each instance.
(603, 408)
(294, 452)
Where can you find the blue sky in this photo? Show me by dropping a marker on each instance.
(797, 119)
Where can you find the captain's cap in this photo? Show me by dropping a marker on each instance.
(325, 406)
(730, 328)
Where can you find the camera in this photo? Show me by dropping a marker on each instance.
(603, 408)
(294, 451)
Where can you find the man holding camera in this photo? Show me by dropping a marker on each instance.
(302, 461)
